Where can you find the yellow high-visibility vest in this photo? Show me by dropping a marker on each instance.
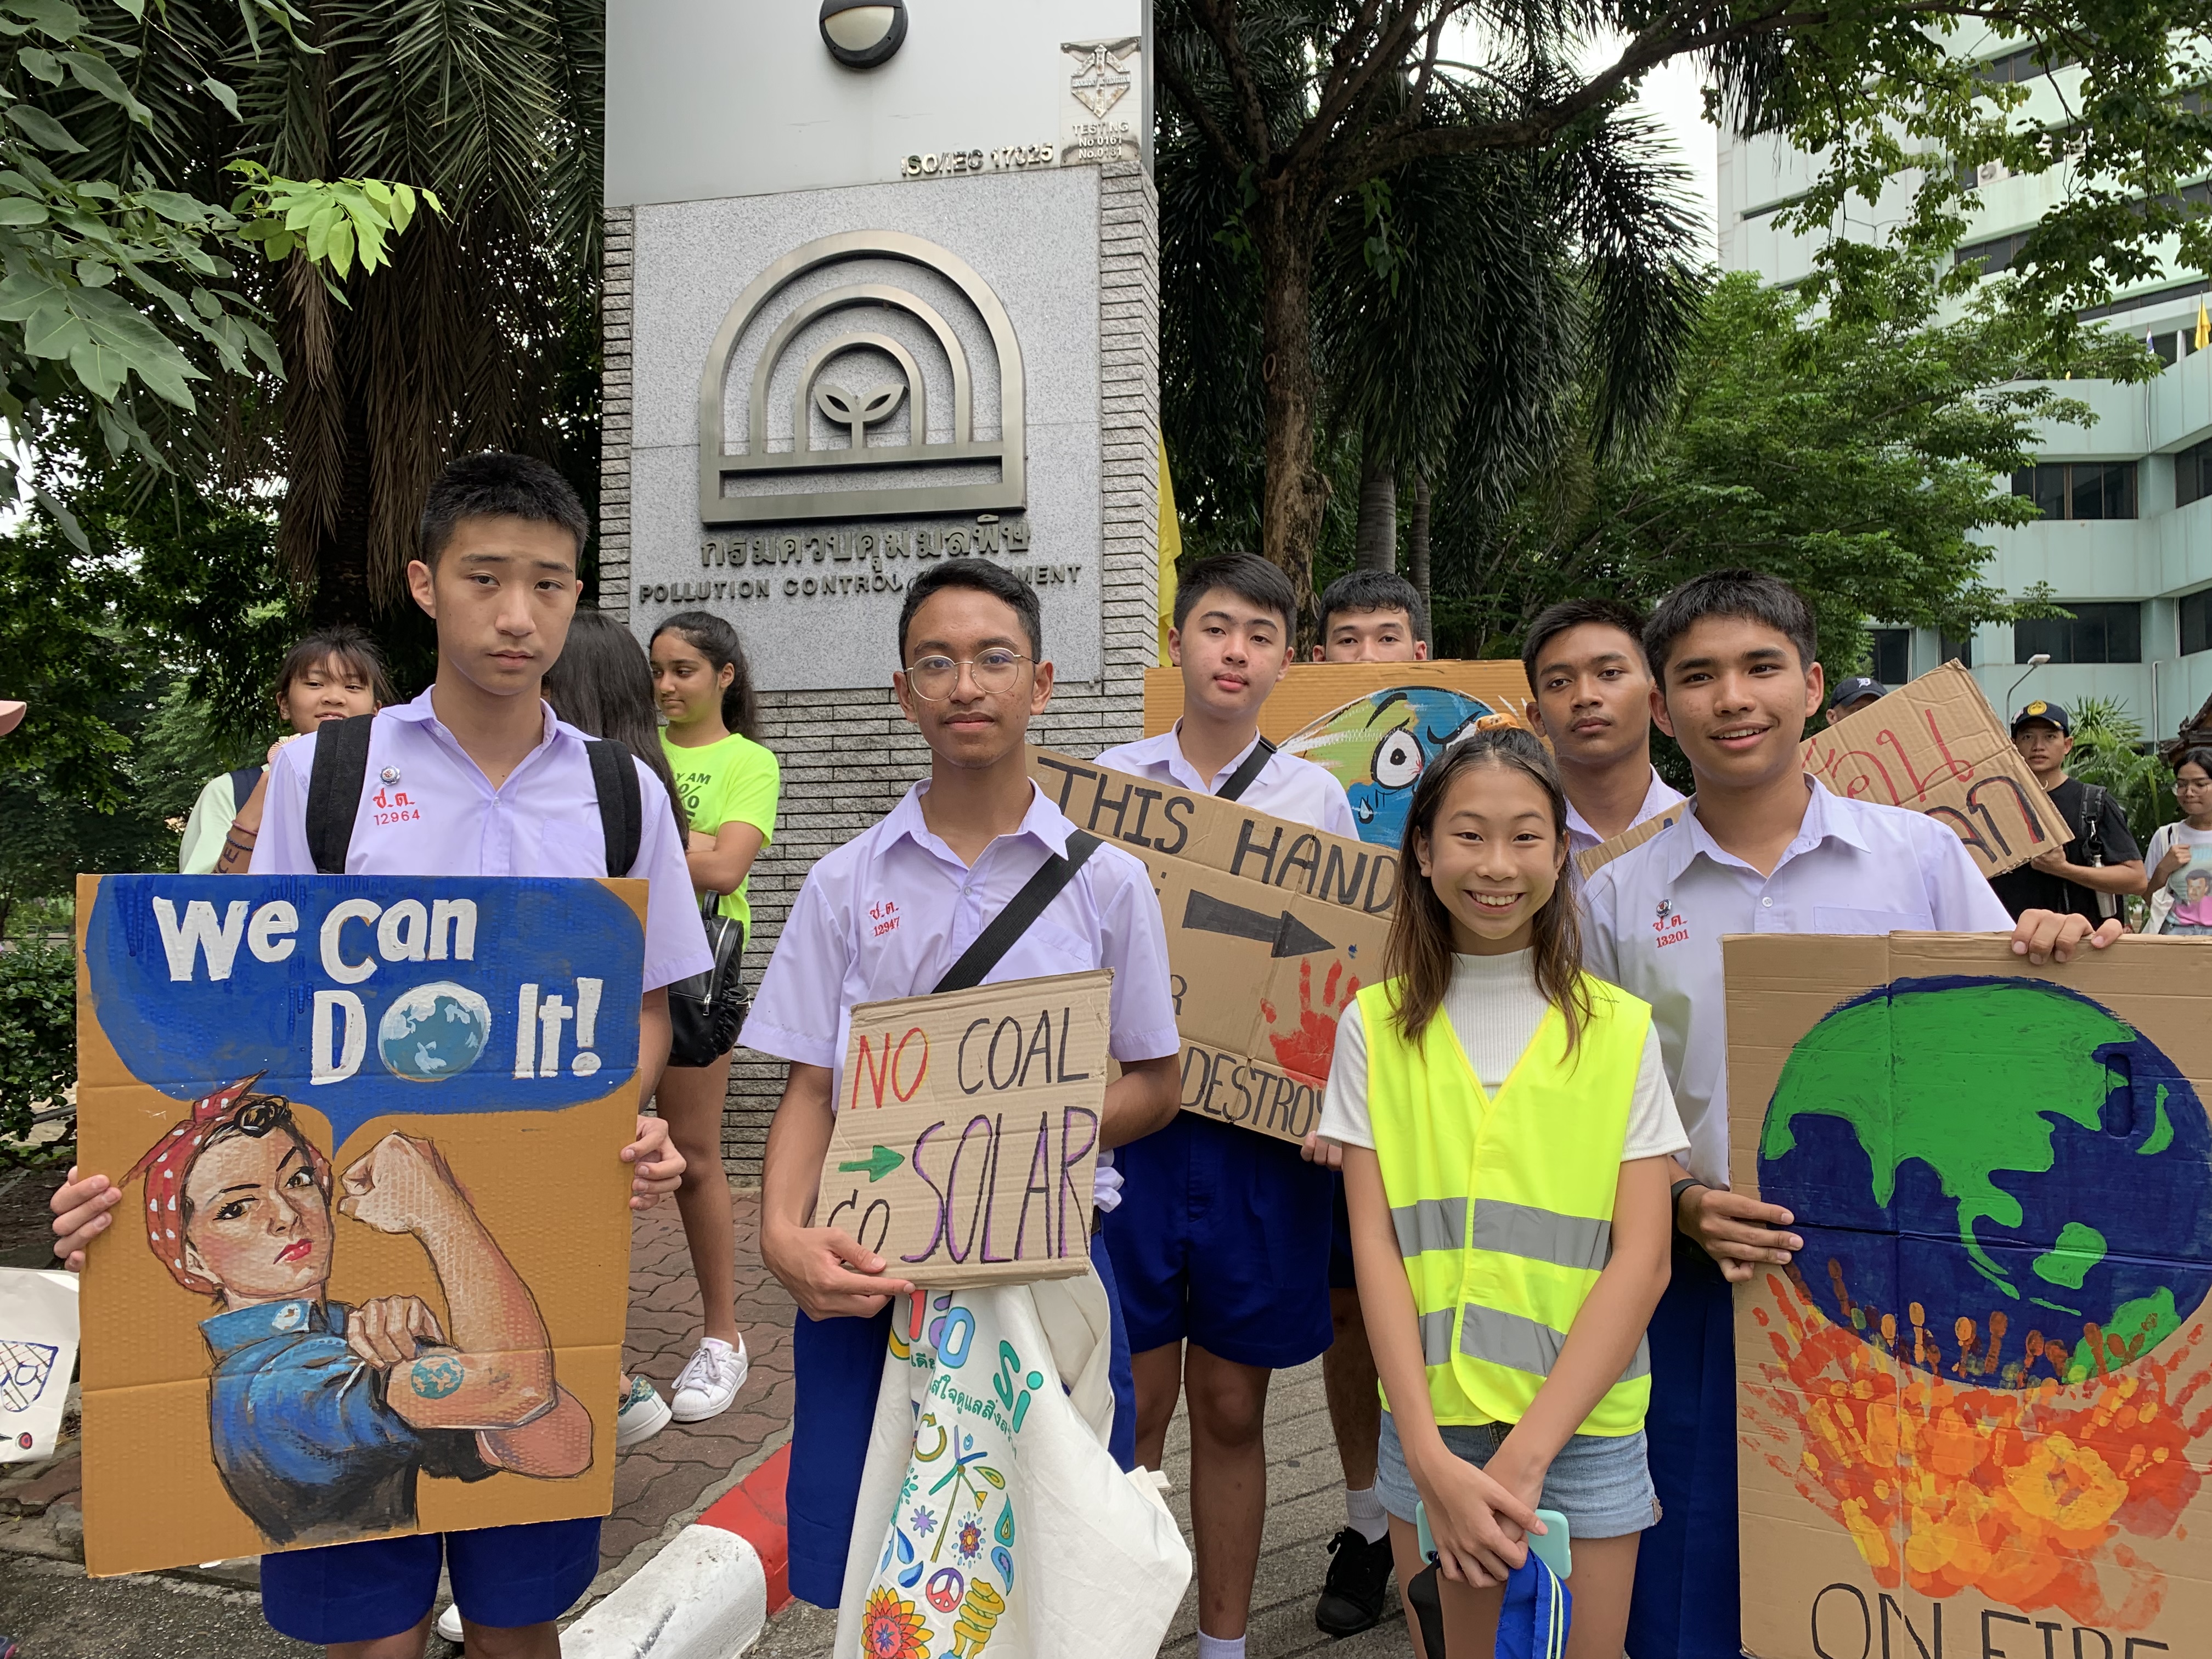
(1503, 1207)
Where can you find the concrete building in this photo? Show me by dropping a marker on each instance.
(2126, 540)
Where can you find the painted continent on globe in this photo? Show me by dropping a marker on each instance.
(1970, 1157)
(433, 1031)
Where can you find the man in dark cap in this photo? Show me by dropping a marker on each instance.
(1854, 693)
(2087, 876)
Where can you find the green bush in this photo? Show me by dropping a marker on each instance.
(38, 1029)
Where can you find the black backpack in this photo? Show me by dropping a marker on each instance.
(341, 773)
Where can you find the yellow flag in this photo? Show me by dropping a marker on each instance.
(2203, 327)
(1170, 551)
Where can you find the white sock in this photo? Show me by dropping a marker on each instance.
(1364, 1509)
(1220, 1647)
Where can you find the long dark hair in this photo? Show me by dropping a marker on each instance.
(1419, 955)
(717, 641)
(600, 683)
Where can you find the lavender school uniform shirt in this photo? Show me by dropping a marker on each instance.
(1287, 787)
(886, 914)
(427, 810)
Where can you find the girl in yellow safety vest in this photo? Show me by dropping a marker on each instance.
(1506, 1127)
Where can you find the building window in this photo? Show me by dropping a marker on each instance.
(2079, 489)
(2192, 474)
(2095, 632)
(1993, 255)
(1956, 647)
(2024, 65)
(1892, 655)
(2196, 622)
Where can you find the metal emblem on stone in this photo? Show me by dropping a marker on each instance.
(930, 331)
(1100, 82)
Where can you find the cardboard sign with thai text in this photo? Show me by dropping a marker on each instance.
(369, 1277)
(1372, 726)
(1937, 746)
(1272, 929)
(1971, 1413)
(964, 1149)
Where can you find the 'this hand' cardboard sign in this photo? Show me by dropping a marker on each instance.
(963, 1149)
(1272, 929)
(1971, 1413)
(370, 1273)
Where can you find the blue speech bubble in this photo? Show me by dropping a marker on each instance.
(366, 996)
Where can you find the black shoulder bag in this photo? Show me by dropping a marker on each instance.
(1241, 779)
(2094, 796)
(1025, 907)
(706, 1010)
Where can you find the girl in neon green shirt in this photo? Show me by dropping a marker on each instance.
(728, 784)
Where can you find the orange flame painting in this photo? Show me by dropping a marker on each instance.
(1955, 1466)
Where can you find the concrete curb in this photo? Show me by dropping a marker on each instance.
(709, 1591)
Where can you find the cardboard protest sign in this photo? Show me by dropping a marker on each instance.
(963, 1148)
(1373, 726)
(1972, 1411)
(370, 1273)
(1937, 745)
(1272, 927)
(37, 1353)
(1590, 860)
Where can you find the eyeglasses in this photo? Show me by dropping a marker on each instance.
(933, 678)
(2190, 786)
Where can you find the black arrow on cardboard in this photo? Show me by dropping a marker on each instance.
(1284, 934)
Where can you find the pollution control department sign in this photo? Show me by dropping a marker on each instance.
(865, 404)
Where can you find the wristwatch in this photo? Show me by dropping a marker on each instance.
(1674, 1199)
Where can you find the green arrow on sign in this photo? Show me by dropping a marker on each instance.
(878, 1163)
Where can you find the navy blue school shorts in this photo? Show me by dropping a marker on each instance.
(1341, 1274)
(1222, 1238)
(503, 1577)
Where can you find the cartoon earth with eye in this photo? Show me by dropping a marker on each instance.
(433, 1032)
(1973, 1159)
(1378, 746)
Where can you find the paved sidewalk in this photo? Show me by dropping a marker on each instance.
(1305, 1507)
(658, 1487)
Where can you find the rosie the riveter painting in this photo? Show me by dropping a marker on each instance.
(377, 1280)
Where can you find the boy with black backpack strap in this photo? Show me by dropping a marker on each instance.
(2088, 875)
(475, 777)
(974, 877)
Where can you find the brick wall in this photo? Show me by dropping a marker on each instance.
(847, 757)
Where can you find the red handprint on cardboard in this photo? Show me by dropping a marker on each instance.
(1304, 1051)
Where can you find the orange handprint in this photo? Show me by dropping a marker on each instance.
(1305, 1051)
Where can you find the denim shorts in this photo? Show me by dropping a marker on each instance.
(1602, 1483)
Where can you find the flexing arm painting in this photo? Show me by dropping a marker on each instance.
(321, 1415)
(369, 1132)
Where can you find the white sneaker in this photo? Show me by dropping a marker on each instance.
(644, 1413)
(449, 1623)
(706, 1386)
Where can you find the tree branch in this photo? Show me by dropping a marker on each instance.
(1219, 17)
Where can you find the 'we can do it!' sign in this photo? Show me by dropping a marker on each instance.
(366, 996)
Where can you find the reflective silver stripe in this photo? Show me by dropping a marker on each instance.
(1508, 1339)
(1432, 1223)
(1435, 1337)
(1524, 1345)
(1523, 1230)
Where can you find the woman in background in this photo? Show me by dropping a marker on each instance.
(728, 784)
(333, 674)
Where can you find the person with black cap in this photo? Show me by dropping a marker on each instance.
(2087, 876)
(1853, 695)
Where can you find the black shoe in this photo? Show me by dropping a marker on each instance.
(1359, 1580)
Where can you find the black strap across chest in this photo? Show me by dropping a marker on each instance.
(1025, 907)
(1242, 778)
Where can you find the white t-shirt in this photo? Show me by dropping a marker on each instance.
(1494, 1008)
(2173, 893)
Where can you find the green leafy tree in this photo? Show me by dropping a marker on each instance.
(38, 1029)
(2108, 750)
(1303, 104)
(1855, 448)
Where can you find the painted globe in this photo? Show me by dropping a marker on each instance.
(1995, 1178)
(433, 1032)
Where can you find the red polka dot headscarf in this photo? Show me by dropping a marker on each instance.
(170, 1159)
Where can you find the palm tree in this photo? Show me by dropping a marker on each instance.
(483, 330)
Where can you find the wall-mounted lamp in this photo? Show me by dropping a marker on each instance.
(862, 33)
